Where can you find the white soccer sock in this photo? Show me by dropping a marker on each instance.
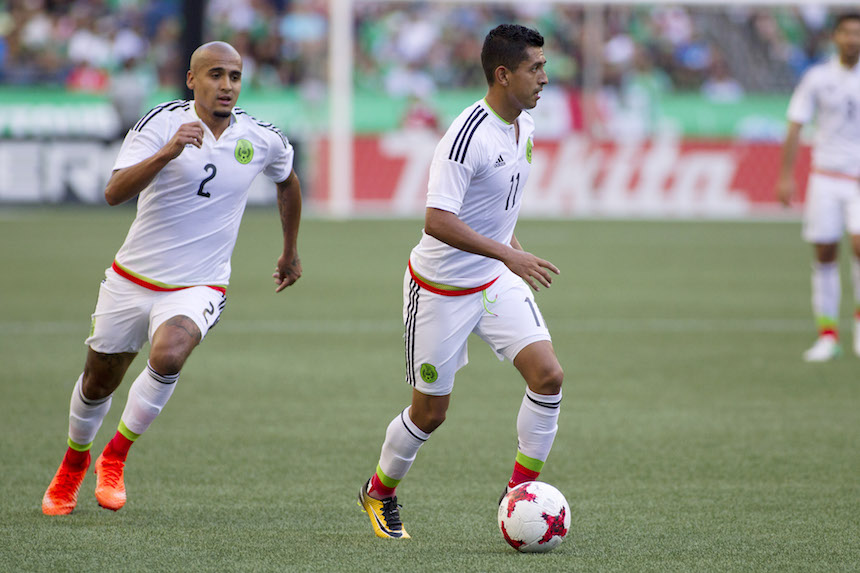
(537, 424)
(146, 398)
(85, 416)
(402, 440)
(826, 292)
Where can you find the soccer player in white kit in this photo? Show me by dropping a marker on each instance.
(469, 273)
(829, 94)
(191, 163)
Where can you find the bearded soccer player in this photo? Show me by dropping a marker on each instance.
(829, 93)
(469, 273)
(191, 163)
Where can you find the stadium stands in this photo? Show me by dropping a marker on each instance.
(79, 44)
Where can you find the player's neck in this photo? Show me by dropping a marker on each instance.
(216, 124)
(849, 61)
(498, 101)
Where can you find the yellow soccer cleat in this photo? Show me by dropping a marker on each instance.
(384, 515)
(61, 496)
(110, 486)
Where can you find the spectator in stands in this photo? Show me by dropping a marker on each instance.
(129, 88)
(87, 78)
(720, 86)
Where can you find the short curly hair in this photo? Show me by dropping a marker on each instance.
(506, 45)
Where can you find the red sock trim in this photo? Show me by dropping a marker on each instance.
(829, 331)
(76, 459)
(118, 446)
(521, 475)
(379, 488)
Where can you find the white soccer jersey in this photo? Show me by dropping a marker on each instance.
(188, 218)
(829, 93)
(479, 172)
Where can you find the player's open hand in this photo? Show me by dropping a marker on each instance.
(530, 268)
(288, 271)
(188, 134)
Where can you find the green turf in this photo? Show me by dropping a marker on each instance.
(692, 437)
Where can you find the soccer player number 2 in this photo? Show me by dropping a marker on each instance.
(200, 190)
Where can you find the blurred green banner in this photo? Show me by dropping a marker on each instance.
(46, 112)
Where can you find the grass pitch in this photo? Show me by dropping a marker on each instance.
(692, 436)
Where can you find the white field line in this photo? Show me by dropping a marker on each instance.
(377, 326)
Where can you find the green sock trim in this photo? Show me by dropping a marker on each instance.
(826, 322)
(386, 481)
(123, 429)
(529, 463)
(79, 447)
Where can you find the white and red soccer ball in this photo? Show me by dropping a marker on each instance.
(534, 517)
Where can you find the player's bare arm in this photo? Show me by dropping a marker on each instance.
(125, 184)
(785, 183)
(449, 229)
(289, 267)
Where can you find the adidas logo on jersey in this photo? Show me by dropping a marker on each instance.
(499, 162)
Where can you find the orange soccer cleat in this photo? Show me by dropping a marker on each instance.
(110, 486)
(61, 496)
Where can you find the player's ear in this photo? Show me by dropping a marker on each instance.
(502, 76)
(189, 80)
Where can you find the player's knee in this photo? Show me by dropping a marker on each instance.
(548, 381)
(172, 345)
(95, 385)
(167, 360)
(103, 373)
(826, 253)
(428, 420)
(432, 422)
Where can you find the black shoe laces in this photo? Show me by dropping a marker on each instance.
(391, 512)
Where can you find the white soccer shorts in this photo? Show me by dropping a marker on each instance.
(832, 206)
(505, 315)
(127, 315)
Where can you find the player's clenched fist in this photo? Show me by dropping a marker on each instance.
(288, 272)
(188, 133)
(785, 190)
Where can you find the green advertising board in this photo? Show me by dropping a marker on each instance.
(28, 112)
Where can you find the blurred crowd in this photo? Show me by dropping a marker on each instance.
(407, 47)
(423, 44)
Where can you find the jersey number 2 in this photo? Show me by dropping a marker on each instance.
(214, 170)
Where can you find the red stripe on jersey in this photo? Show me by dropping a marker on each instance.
(148, 285)
(456, 291)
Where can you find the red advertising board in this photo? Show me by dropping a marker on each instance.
(575, 176)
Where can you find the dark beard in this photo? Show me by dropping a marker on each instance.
(221, 114)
